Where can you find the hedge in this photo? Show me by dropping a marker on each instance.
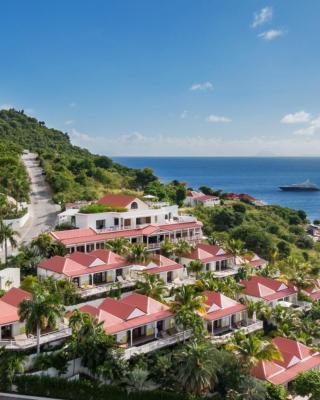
(84, 389)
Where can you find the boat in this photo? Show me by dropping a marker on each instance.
(306, 186)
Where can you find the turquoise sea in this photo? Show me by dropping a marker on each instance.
(258, 176)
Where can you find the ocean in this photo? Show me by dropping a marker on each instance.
(258, 176)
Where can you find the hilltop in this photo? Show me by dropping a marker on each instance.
(73, 172)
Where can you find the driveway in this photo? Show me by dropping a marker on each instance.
(43, 211)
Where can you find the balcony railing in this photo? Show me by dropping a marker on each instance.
(157, 344)
(251, 327)
(31, 341)
(105, 287)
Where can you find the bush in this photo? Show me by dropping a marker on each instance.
(276, 392)
(304, 242)
(84, 390)
(239, 207)
(100, 208)
(284, 249)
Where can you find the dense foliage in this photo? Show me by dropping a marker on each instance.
(84, 390)
(14, 180)
(73, 173)
(264, 230)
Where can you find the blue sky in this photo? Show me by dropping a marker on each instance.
(169, 77)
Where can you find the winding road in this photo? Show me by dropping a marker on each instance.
(43, 211)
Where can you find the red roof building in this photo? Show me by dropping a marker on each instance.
(87, 239)
(9, 317)
(134, 319)
(214, 259)
(252, 260)
(118, 200)
(165, 268)
(222, 313)
(296, 358)
(194, 199)
(269, 290)
(97, 267)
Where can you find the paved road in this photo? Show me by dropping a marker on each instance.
(43, 211)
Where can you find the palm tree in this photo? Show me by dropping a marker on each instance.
(42, 311)
(196, 367)
(186, 307)
(7, 233)
(118, 245)
(137, 380)
(138, 253)
(254, 308)
(195, 267)
(299, 273)
(151, 286)
(252, 348)
(181, 248)
(167, 248)
(11, 363)
(235, 247)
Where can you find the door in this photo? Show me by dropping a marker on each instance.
(169, 276)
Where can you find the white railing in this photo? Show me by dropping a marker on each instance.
(158, 343)
(31, 341)
(252, 327)
(85, 292)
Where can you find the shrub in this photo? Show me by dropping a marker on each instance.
(84, 390)
(100, 208)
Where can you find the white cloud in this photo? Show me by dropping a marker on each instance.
(271, 35)
(314, 127)
(78, 136)
(6, 106)
(184, 114)
(133, 137)
(69, 122)
(261, 17)
(202, 86)
(296, 118)
(217, 118)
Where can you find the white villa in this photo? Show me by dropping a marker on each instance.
(195, 198)
(213, 258)
(136, 214)
(9, 278)
(95, 268)
(165, 268)
(141, 223)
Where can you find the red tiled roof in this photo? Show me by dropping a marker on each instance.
(79, 263)
(15, 296)
(254, 260)
(164, 264)
(296, 358)
(222, 306)
(130, 312)
(88, 235)
(266, 288)
(207, 252)
(9, 304)
(117, 200)
(314, 293)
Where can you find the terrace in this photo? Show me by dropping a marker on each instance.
(23, 342)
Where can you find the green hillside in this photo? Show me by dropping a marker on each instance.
(73, 173)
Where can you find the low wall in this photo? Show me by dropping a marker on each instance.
(17, 222)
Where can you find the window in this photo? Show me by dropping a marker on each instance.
(100, 224)
(208, 267)
(90, 247)
(116, 222)
(134, 205)
(148, 220)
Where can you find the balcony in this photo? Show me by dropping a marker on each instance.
(156, 344)
(31, 341)
(223, 337)
(104, 288)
